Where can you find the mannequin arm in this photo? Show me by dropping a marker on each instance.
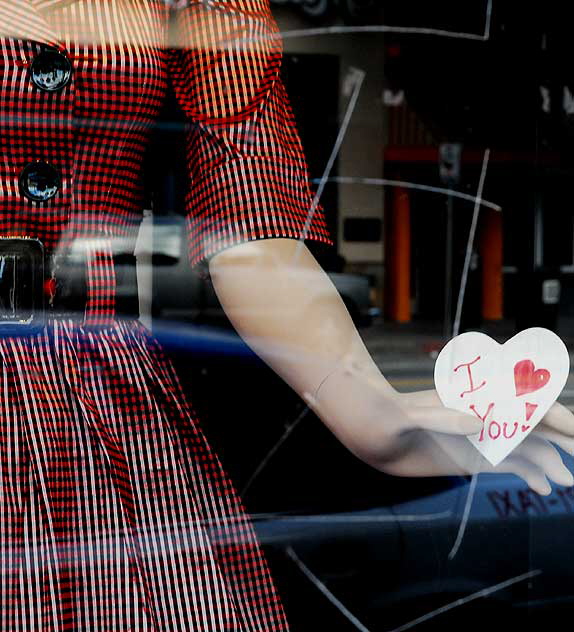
(285, 307)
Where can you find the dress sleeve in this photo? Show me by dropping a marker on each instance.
(248, 176)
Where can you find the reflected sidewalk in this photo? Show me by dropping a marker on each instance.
(420, 341)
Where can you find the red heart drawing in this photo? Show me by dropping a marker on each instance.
(530, 410)
(527, 380)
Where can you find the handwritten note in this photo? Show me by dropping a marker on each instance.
(508, 387)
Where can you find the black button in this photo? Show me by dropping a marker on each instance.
(51, 70)
(39, 181)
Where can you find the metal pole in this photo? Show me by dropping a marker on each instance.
(447, 327)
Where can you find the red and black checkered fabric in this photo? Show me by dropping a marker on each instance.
(114, 514)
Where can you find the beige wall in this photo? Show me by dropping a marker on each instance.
(362, 151)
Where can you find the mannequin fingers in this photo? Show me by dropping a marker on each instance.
(421, 398)
(531, 474)
(542, 454)
(561, 440)
(560, 418)
(446, 420)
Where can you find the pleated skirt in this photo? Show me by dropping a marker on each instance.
(114, 513)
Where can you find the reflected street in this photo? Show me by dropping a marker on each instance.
(406, 355)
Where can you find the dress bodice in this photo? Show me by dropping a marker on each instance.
(91, 132)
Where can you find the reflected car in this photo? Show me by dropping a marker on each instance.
(180, 292)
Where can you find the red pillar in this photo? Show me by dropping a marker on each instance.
(491, 254)
(398, 257)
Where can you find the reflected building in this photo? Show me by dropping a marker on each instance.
(486, 78)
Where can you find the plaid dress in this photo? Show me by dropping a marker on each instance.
(114, 513)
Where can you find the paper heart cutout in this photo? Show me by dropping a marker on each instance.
(527, 380)
(475, 374)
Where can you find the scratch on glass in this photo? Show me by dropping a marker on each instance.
(405, 30)
(359, 77)
(485, 592)
(274, 449)
(411, 185)
(321, 586)
(456, 328)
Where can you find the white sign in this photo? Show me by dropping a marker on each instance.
(449, 162)
(508, 387)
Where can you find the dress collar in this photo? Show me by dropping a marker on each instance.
(23, 19)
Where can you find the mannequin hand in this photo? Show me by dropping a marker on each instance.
(413, 434)
(534, 460)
